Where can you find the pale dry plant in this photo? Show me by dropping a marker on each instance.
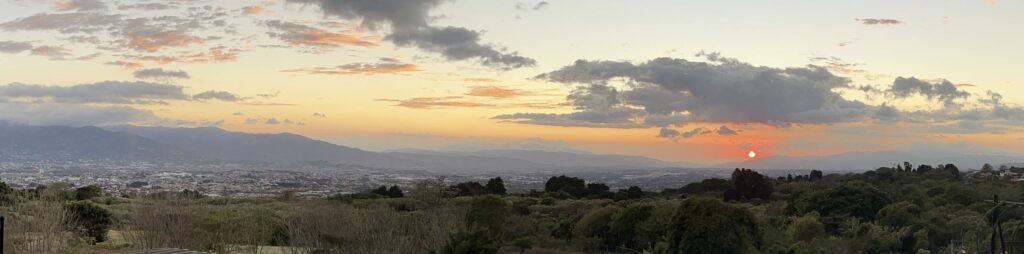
(38, 227)
(166, 224)
(335, 228)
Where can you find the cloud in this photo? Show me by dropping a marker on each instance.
(76, 22)
(271, 121)
(126, 64)
(521, 6)
(146, 6)
(437, 102)
(541, 5)
(14, 47)
(497, 92)
(878, 22)
(113, 92)
(51, 52)
(942, 90)
(720, 90)
(695, 132)
(723, 130)
(321, 115)
(668, 133)
(615, 118)
(72, 114)
(160, 73)
(133, 35)
(154, 40)
(80, 5)
(360, 69)
(409, 23)
(255, 9)
(216, 95)
(303, 35)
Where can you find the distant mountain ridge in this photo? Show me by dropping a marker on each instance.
(62, 142)
(215, 144)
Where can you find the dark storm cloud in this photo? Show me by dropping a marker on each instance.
(160, 73)
(216, 95)
(409, 26)
(115, 92)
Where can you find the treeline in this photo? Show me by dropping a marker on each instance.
(899, 209)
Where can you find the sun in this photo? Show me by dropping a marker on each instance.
(752, 154)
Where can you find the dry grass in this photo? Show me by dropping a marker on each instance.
(38, 227)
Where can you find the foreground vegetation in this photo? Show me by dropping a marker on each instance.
(905, 209)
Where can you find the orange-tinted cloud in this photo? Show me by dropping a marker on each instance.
(303, 35)
(497, 92)
(437, 102)
(126, 64)
(256, 9)
(481, 80)
(214, 55)
(152, 42)
(360, 68)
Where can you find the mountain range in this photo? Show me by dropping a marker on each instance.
(210, 144)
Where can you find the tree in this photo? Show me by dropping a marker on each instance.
(488, 213)
(382, 191)
(496, 186)
(953, 171)
(707, 185)
(89, 219)
(597, 222)
(704, 225)
(748, 184)
(806, 228)
(469, 189)
(574, 186)
(634, 192)
(88, 192)
(815, 175)
(987, 168)
(921, 169)
(900, 214)
(395, 192)
(623, 229)
(856, 199)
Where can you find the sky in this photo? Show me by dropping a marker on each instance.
(697, 81)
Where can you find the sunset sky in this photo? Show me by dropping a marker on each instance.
(698, 81)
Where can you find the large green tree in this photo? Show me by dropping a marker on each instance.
(705, 225)
(90, 219)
